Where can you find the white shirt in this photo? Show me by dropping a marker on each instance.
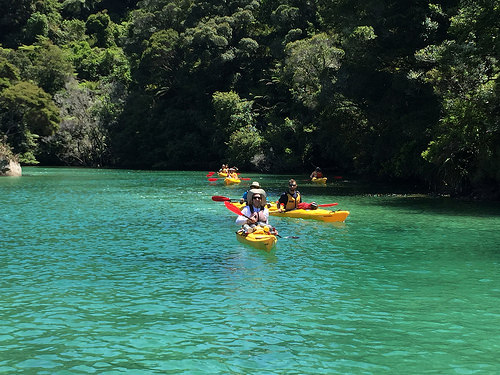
(240, 220)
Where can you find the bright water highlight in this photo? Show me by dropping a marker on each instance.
(114, 271)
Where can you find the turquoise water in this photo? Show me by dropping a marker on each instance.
(113, 272)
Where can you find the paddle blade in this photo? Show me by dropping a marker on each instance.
(220, 198)
(244, 179)
(327, 204)
(210, 174)
(212, 179)
(231, 207)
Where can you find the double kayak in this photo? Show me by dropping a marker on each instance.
(259, 239)
(320, 181)
(231, 181)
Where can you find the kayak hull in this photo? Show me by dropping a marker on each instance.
(318, 214)
(258, 240)
(231, 181)
(319, 181)
(222, 174)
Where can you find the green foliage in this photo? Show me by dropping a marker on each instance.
(9, 73)
(6, 152)
(231, 112)
(27, 112)
(99, 27)
(44, 63)
(245, 148)
(311, 64)
(93, 64)
(13, 17)
(159, 61)
(377, 88)
(465, 74)
(70, 31)
(82, 138)
(37, 26)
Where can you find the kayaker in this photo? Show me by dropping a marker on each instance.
(223, 168)
(232, 173)
(316, 173)
(253, 185)
(291, 198)
(255, 211)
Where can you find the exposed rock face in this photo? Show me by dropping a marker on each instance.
(10, 167)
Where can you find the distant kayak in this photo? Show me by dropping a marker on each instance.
(222, 174)
(259, 239)
(320, 181)
(231, 181)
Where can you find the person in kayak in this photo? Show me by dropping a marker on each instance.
(316, 173)
(253, 185)
(255, 212)
(291, 198)
(232, 173)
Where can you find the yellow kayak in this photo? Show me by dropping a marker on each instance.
(222, 174)
(258, 239)
(320, 181)
(231, 181)
(318, 214)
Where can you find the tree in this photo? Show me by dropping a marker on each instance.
(26, 113)
(9, 73)
(12, 18)
(311, 65)
(46, 64)
(99, 27)
(465, 72)
(82, 138)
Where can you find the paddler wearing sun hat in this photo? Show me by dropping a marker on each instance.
(255, 213)
(253, 185)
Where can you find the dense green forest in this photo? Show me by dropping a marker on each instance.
(397, 90)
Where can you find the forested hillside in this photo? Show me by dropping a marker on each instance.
(386, 89)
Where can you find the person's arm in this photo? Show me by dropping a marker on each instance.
(283, 199)
(240, 220)
(266, 215)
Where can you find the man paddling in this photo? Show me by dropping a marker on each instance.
(291, 198)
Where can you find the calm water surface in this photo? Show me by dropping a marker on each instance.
(112, 272)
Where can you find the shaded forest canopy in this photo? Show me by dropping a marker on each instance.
(386, 89)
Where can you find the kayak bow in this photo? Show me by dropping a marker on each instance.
(258, 239)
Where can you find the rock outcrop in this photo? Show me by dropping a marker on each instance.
(9, 164)
(9, 167)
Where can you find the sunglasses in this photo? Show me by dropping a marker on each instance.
(292, 185)
(256, 197)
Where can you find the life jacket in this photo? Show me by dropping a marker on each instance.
(319, 174)
(260, 214)
(292, 202)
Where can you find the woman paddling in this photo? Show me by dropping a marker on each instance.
(255, 214)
